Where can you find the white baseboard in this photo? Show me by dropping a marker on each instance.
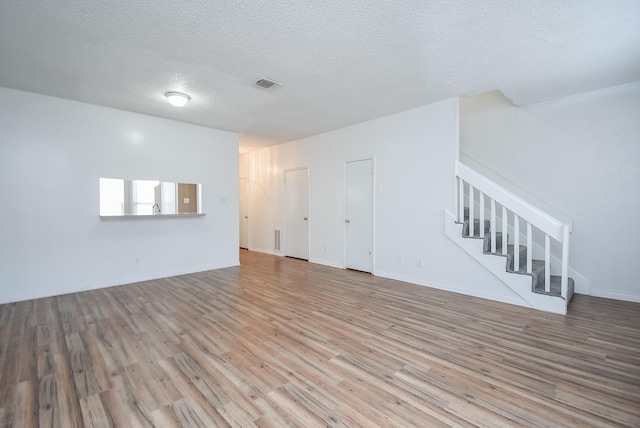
(118, 281)
(608, 294)
(272, 252)
(326, 263)
(515, 300)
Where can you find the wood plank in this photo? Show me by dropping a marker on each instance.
(196, 404)
(121, 403)
(189, 414)
(93, 413)
(26, 404)
(282, 343)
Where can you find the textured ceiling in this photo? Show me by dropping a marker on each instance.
(340, 62)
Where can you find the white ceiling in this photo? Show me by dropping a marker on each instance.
(340, 62)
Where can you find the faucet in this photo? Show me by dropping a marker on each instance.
(154, 209)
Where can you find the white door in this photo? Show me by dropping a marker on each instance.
(244, 213)
(359, 215)
(296, 213)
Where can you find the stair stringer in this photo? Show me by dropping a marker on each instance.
(520, 284)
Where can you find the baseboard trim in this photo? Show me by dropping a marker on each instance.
(261, 250)
(122, 280)
(326, 263)
(607, 294)
(457, 290)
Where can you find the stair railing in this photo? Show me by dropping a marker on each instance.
(470, 181)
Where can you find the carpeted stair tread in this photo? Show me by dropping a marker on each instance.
(510, 251)
(556, 287)
(476, 226)
(476, 229)
(522, 262)
(487, 243)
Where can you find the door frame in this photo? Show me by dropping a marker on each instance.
(373, 210)
(283, 236)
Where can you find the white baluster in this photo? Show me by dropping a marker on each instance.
(461, 200)
(565, 262)
(505, 223)
(516, 242)
(481, 215)
(529, 248)
(547, 263)
(493, 226)
(471, 209)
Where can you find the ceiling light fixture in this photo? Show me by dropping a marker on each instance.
(177, 99)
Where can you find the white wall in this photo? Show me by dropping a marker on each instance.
(581, 155)
(414, 154)
(52, 153)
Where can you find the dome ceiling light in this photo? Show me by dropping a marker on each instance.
(177, 99)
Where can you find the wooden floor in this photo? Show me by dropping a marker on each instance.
(282, 342)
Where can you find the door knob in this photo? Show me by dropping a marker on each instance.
(347, 221)
(306, 218)
(246, 216)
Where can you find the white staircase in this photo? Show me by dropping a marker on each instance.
(524, 247)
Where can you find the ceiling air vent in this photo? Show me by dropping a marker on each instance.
(267, 84)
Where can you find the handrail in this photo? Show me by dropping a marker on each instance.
(543, 221)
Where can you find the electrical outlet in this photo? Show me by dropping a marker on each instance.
(420, 263)
(400, 258)
(326, 248)
(136, 262)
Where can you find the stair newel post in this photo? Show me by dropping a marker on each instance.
(505, 223)
(460, 200)
(565, 262)
(529, 248)
(472, 204)
(547, 263)
(493, 226)
(481, 231)
(516, 242)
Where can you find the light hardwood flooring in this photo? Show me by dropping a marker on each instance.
(281, 342)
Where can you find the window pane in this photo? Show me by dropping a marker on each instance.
(144, 196)
(111, 196)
